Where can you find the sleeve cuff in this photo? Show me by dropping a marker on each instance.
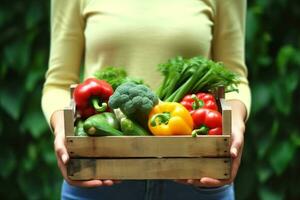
(54, 100)
(244, 95)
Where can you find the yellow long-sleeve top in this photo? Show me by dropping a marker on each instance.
(139, 35)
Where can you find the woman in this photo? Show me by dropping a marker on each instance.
(139, 35)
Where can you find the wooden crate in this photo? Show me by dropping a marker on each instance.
(148, 157)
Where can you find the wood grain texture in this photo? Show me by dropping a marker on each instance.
(226, 117)
(69, 121)
(72, 88)
(149, 168)
(149, 146)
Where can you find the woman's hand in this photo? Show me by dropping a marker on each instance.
(62, 155)
(236, 149)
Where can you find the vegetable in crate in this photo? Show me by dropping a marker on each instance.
(103, 124)
(129, 127)
(90, 94)
(186, 76)
(135, 101)
(199, 100)
(79, 130)
(207, 122)
(115, 76)
(170, 118)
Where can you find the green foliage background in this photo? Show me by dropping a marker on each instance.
(269, 170)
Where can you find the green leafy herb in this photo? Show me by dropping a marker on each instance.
(183, 76)
(116, 76)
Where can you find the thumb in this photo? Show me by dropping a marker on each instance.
(60, 149)
(236, 145)
(65, 158)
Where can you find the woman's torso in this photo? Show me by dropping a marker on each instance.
(138, 35)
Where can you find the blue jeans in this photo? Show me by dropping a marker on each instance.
(147, 190)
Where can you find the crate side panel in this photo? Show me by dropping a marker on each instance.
(149, 168)
(151, 146)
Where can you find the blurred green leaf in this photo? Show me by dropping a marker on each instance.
(39, 60)
(295, 138)
(264, 4)
(34, 15)
(3, 71)
(5, 15)
(266, 193)
(245, 179)
(8, 162)
(1, 126)
(32, 79)
(29, 186)
(275, 128)
(30, 160)
(34, 122)
(264, 173)
(282, 98)
(49, 157)
(262, 93)
(263, 144)
(281, 156)
(46, 146)
(251, 26)
(257, 9)
(284, 56)
(11, 100)
(291, 82)
(17, 54)
(264, 61)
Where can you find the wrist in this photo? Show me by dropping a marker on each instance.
(239, 111)
(239, 115)
(57, 122)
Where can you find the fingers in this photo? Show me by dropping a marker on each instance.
(182, 181)
(210, 182)
(62, 155)
(86, 184)
(92, 183)
(60, 149)
(62, 159)
(236, 144)
(236, 164)
(204, 182)
(186, 181)
(238, 129)
(108, 182)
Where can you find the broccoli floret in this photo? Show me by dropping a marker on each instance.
(134, 100)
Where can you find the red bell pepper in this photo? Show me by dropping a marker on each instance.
(200, 100)
(207, 121)
(89, 94)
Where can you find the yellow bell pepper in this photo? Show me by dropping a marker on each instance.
(170, 118)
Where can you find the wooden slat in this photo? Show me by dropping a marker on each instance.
(72, 88)
(226, 117)
(147, 168)
(220, 93)
(69, 121)
(72, 102)
(149, 146)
